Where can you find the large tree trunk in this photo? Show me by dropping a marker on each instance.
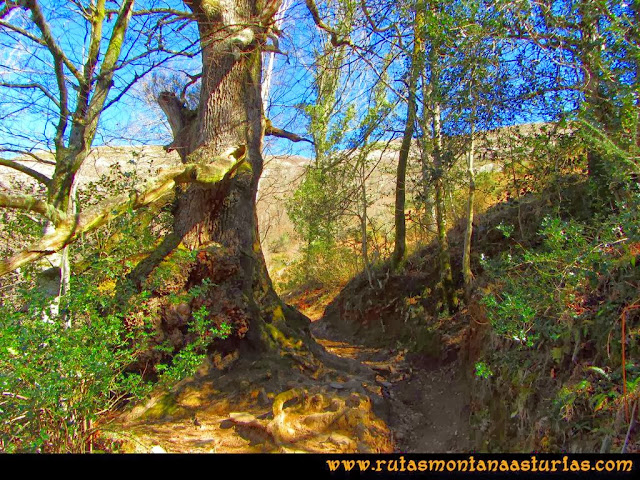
(221, 223)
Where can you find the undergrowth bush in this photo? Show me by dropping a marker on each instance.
(56, 382)
(556, 311)
(322, 264)
(58, 385)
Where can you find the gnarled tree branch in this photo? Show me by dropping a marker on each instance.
(180, 119)
(69, 229)
(280, 133)
(32, 204)
(42, 178)
(336, 40)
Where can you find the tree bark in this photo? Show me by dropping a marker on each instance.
(466, 255)
(221, 223)
(433, 116)
(364, 220)
(416, 64)
(444, 256)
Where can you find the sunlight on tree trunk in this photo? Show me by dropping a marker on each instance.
(432, 117)
(221, 223)
(415, 69)
(468, 233)
(364, 221)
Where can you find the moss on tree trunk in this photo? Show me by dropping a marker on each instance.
(220, 223)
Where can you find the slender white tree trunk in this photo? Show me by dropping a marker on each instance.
(466, 257)
(267, 76)
(363, 221)
(56, 274)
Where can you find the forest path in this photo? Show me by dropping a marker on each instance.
(426, 404)
(410, 407)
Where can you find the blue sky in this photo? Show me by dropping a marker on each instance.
(27, 116)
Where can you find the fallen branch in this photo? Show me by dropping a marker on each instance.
(32, 204)
(69, 229)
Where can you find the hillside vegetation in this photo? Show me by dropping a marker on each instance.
(446, 260)
(541, 341)
(539, 345)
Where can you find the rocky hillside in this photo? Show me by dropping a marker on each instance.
(282, 174)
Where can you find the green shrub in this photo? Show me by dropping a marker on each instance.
(555, 309)
(322, 264)
(56, 382)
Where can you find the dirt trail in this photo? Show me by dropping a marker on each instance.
(426, 404)
(392, 404)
